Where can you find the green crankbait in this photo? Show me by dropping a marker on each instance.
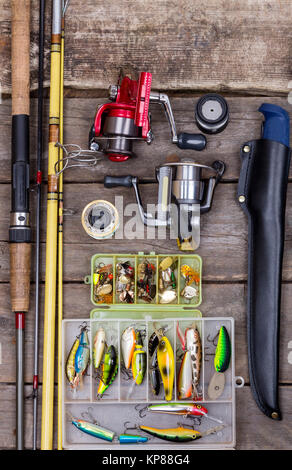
(223, 351)
(179, 434)
(93, 429)
(109, 370)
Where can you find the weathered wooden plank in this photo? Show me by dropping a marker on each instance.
(223, 233)
(218, 300)
(244, 125)
(254, 430)
(216, 45)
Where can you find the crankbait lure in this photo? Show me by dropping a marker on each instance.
(70, 364)
(109, 370)
(93, 429)
(193, 344)
(178, 434)
(154, 375)
(182, 409)
(98, 347)
(185, 377)
(82, 355)
(139, 360)
(166, 364)
(128, 342)
(223, 351)
(153, 343)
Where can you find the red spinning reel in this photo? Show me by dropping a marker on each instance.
(123, 120)
(127, 119)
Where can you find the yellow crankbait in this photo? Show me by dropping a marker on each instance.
(166, 364)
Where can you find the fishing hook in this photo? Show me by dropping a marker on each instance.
(81, 158)
(141, 411)
(89, 415)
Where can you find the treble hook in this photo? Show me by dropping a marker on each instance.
(141, 411)
(130, 428)
(212, 340)
(89, 415)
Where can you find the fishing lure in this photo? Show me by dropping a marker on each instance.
(153, 343)
(109, 370)
(182, 409)
(139, 360)
(131, 438)
(82, 356)
(179, 434)
(223, 351)
(70, 364)
(194, 346)
(98, 347)
(221, 364)
(154, 374)
(185, 377)
(128, 342)
(93, 429)
(166, 364)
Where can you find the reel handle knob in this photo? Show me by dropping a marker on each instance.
(191, 141)
(115, 181)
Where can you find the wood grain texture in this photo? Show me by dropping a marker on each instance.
(244, 125)
(223, 233)
(188, 45)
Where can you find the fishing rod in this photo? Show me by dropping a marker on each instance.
(38, 213)
(60, 229)
(20, 231)
(51, 238)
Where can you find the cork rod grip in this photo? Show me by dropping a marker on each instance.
(20, 56)
(20, 256)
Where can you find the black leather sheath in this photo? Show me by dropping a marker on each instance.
(262, 194)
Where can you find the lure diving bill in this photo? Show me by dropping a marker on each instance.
(98, 347)
(166, 364)
(179, 434)
(139, 360)
(93, 429)
(109, 370)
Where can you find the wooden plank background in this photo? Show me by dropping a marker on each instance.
(242, 49)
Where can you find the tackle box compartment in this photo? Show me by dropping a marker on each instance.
(125, 402)
(193, 261)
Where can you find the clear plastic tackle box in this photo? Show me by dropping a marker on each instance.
(123, 407)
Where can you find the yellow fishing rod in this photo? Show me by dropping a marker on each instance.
(60, 232)
(51, 239)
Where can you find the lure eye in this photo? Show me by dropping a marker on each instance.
(199, 407)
